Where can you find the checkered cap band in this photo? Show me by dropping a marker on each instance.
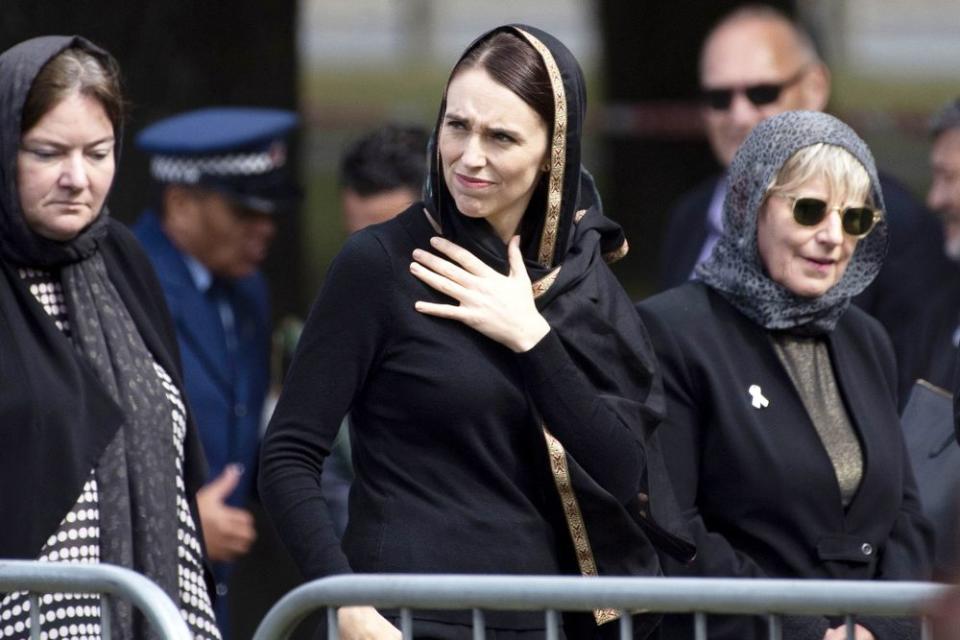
(190, 170)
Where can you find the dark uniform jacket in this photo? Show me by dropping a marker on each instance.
(225, 387)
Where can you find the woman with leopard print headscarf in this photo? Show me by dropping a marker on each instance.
(782, 436)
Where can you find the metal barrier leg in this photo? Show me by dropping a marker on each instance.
(553, 625)
(926, 633)
(851, 627)
(700, 625)
(626, 626)
(105, 630)
(333, 629)
(34, 616)
(406, 624)
(479, 626)
(775, 626)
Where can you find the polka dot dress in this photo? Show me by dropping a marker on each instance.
(67, 616)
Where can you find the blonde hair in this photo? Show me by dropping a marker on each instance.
(846, 178)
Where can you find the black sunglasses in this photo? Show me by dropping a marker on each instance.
(720, 98)
(856, 221)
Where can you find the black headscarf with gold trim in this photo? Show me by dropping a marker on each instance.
(566, 249)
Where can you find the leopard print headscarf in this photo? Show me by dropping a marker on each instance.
(735, 269)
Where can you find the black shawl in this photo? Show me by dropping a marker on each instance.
(566, 242)
(101, 404)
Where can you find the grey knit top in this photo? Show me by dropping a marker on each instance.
(807, 361)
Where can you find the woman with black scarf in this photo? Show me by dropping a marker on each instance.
(99, 461)
(502, 392)
(782, 434)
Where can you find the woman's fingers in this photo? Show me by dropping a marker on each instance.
(443, 267)
(438, 281)
(450, 311)
(517, 268)
(461, 256)
(365, 623)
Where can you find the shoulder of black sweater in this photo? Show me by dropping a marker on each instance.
(410, 226)
(368, 255)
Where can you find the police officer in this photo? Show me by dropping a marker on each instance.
(223, 178)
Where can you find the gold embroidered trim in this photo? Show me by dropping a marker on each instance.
(578, 216)
(540, 286)
(574, 518)
(558, 151)
(616, 254)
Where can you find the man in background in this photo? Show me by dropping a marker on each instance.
(381, 174)
(223, 179)
(755, 63)
(926, 343)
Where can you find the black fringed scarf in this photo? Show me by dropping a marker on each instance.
(134, 457)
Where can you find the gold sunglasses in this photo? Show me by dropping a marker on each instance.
(856, 221)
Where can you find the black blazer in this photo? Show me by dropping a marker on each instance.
(685, 234)
(43, 462)
(757, 487)
(759, 490)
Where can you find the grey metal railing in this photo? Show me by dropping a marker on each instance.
(108, 580)
(700, 596)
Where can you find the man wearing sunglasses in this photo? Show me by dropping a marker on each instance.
(755, 63)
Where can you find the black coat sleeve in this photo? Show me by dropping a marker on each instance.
(340, 343)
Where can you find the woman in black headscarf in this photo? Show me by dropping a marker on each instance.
(502, 393)
(782, 435)
(99, 462)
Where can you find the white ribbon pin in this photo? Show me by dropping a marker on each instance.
(757, 399)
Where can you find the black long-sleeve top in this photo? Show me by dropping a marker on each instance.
(451, 467)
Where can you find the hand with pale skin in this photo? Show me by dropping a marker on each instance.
(365, 623)
(840, 633)
(500, 307)
(228, 532)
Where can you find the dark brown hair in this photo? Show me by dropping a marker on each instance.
(513, 62)
(75, 70)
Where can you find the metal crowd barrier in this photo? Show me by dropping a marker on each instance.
(700, 596)
(108, 580)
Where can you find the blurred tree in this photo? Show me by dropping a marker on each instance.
(655, 147)
(177, 55)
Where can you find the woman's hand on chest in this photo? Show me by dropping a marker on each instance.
(500, 307)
